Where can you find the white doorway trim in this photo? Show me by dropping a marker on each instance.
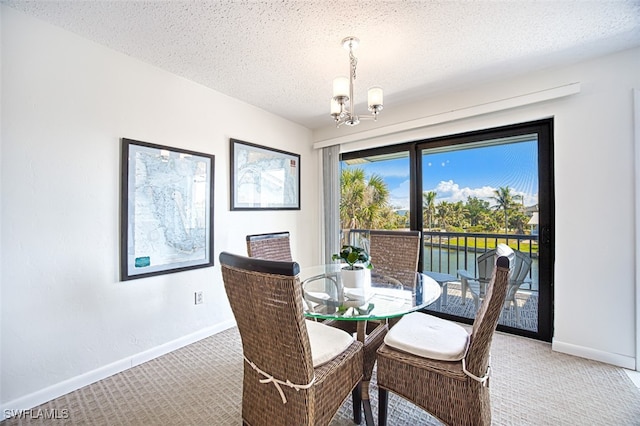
(636, 131)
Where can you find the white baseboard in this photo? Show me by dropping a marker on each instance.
(634, 376)
(47, 394)
(623, 361)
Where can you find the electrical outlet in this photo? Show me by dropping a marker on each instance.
(199, 298)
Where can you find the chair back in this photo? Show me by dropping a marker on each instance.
(520, 266)
(486, 320)
(266, 300)
(486, 262)
(271, 246)
(395, 253)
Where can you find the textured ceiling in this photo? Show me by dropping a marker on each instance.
(283, 55)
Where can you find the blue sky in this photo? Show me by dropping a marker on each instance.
(456, 175)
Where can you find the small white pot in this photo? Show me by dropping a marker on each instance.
(356, 283)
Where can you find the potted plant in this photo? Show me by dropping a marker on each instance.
(357, 274)
(353, 255)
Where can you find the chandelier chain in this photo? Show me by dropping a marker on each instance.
(354, 63)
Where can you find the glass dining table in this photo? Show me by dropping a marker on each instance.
(380, 298)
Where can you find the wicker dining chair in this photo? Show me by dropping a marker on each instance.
(271, 246)
(437, 365)
(394, 255)
(296, 372)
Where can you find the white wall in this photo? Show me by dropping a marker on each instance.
(66, 102)
(594, 187)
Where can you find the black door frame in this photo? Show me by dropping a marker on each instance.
(546, 202)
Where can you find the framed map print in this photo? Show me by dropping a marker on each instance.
(263, 178)
(166, 210)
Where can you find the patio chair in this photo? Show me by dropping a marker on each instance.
(521, 264)
(271, 246)
(437, 365)
(295, 371)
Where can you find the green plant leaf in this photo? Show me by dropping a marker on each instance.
(352, 255)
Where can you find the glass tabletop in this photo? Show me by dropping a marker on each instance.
(328, 296)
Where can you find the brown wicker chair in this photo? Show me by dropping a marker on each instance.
(455, 389)
(281, 385)
(272, 246)
(394, 255)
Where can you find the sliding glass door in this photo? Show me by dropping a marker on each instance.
(468, 194)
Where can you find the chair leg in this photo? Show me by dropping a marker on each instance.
(463, 290)
(356, 395)
(383, 402)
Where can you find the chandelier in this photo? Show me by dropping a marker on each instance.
(342, 102)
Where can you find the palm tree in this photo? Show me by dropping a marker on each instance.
(459, 214)
(476, 210)
(352, 189)
(443, 213)
(363, 203)
(505, 201)
(429, 206)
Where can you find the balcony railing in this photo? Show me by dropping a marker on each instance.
(449, 251)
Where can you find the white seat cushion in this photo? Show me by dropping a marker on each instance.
(430, 337)
(326, 342)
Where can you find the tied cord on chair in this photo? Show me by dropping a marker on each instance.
(278, 382)
(484, 379)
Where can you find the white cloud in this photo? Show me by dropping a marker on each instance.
(452, 192)
(399, 196)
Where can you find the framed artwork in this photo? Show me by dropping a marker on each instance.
(166, 210)
(263, 178)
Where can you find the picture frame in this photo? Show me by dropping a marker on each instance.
(166, 210)
(263, 178)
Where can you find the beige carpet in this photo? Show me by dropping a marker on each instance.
(201, 385)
